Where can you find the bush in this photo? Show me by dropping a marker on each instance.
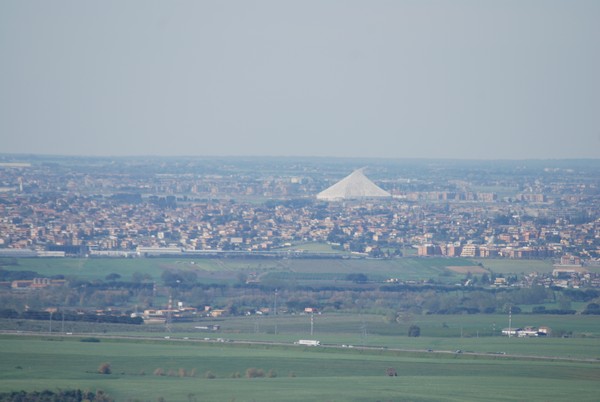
(357, 278)
(104, 368)
(271, 374)
(101, 396)
(209, 375)
(562, 333)
(254, 373)
(159, 371)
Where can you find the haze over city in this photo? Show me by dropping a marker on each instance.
(394, 79)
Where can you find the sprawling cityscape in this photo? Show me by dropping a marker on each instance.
(124, 207)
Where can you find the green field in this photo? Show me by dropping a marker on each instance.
(357, 347)
(302, 373)
(506, 266)
(227, 269)
(301, 271)
(478, 333)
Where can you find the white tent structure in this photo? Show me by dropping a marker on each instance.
(352, 187)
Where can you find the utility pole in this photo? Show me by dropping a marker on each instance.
(363, 331)
(275, 312)
(169, 319)
(509, 321)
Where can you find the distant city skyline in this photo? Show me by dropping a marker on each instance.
(382, 79)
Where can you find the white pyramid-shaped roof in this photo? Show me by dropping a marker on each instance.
(354, 186)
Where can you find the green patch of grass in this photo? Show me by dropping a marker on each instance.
(303, 373)
(506, 266)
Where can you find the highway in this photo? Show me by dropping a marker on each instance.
(172, 338)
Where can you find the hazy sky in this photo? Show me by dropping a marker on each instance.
(452, 79)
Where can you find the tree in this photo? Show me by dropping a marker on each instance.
(139, 277)
(112, 277)
(564, 303)
(102, 396)
(592, 308)
(414, 331)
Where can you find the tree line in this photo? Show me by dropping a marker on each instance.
(70, 316)
(356, 293)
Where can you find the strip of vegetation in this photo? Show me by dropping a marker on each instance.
(544, 310)
(68, 316)
(93, 340)
(75, 395)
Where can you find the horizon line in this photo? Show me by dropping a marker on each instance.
(231, 156)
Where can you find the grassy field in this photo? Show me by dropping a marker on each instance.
(301, 271)
(506, 266)
(224, 270)
(477, 333)
(302, 373)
